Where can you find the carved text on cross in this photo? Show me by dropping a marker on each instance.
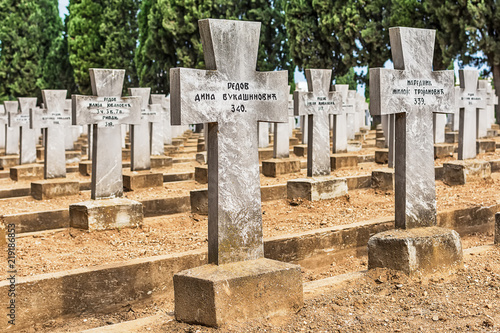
(413, 92)
(318, 104)
(232, 97)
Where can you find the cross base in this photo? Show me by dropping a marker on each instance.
(26, 172)
(461, 172)
(52, 188)
(106, 214)
(416, 251)
(8, 161)
(497, 229)
(280, 166)
(316, 188)
(142, 179)
(442, 150)
(216, 295)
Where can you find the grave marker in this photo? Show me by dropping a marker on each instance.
(470, 99)
(350, 110)
(54, 119)
(140, 134)
(318, 104)
(106, 111)
(340, 121)
(160, 129)
(28, 136)
(12, 134)
(413, 92)
(4, 121)
(231, 97)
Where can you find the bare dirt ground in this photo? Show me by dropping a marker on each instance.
(382, 301)
(73, 248)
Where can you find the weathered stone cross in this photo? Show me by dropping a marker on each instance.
(158, 129)
(55, 119)
(340, 120)
(469, 100)
(318, 104)
(28, 136)
(281, 144)
(140, 134)
(12, 134)
(350, 111)
(4, 121)
(413, 92)
(106, 111)
(231, 96)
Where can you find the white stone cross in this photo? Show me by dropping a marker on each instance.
(318, 104)
(483, 115)
(106, 111)
(11, 134)
(140, 134)
(470, 99)
(231, 96)
(413, 92)
(28, 136)
(350, 110)
(54, 119)
(281, 144)
(4, 121)
(158, 130)
(340, 120)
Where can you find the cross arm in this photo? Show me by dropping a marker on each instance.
(106, 111)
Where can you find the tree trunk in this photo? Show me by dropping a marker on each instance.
(496, 82)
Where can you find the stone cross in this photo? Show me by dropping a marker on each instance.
(140, 134)
(318, 104)
(281, 144)
(413, 92)
(456, 111)
(231, 96)
(263, 132)
(28, 136)
(291, 114)
(11, 134)
(54, 119)
(106, 111)
(340, 121)
(483, 115)
(470, 99)
(158, 129)
(167, 124)
(439, 125)
(350, 111)
(4, 121)
(361, 107)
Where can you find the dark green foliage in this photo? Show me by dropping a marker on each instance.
(102, 34)
(349, 78)
(27, 32)
(169, 36)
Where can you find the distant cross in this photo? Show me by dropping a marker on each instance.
(470, 99)
(140, 134)
(350, 109)
(106, 111)
(28, 136)
(483, 115)
(167, 126)
(231, 96)
(291, 117)
(158, 128)
(361, 106)
(340, 120)
(4, 121)
(281, 143)
(54, 119)
(413, 92)
(318, 104)
(11, 134)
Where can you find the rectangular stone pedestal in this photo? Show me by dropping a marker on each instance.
(382, 156)
(161, 162)
(497, 228)
(300, 150)
(214, 295)
(73, 156)
(451, 137)
(169, 149)
(177, 142)
(8, 161)
(461, 172)
(201, 174)
(492, 133)
(293, 142)
(201, 157)
(420, 250)
(442, 150)
(340, 161)
(383, 179)
(135, 180)
(265, 154)
(316, 188)
(276, 167)
(106, 214)
(380, 143)
(85, 168)
(26, 172)
(379, 134)
(485, 146)
(126, 154)
(40, 151)
(52, 188)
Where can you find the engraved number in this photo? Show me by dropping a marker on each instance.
(237, 108)
(419, 101)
